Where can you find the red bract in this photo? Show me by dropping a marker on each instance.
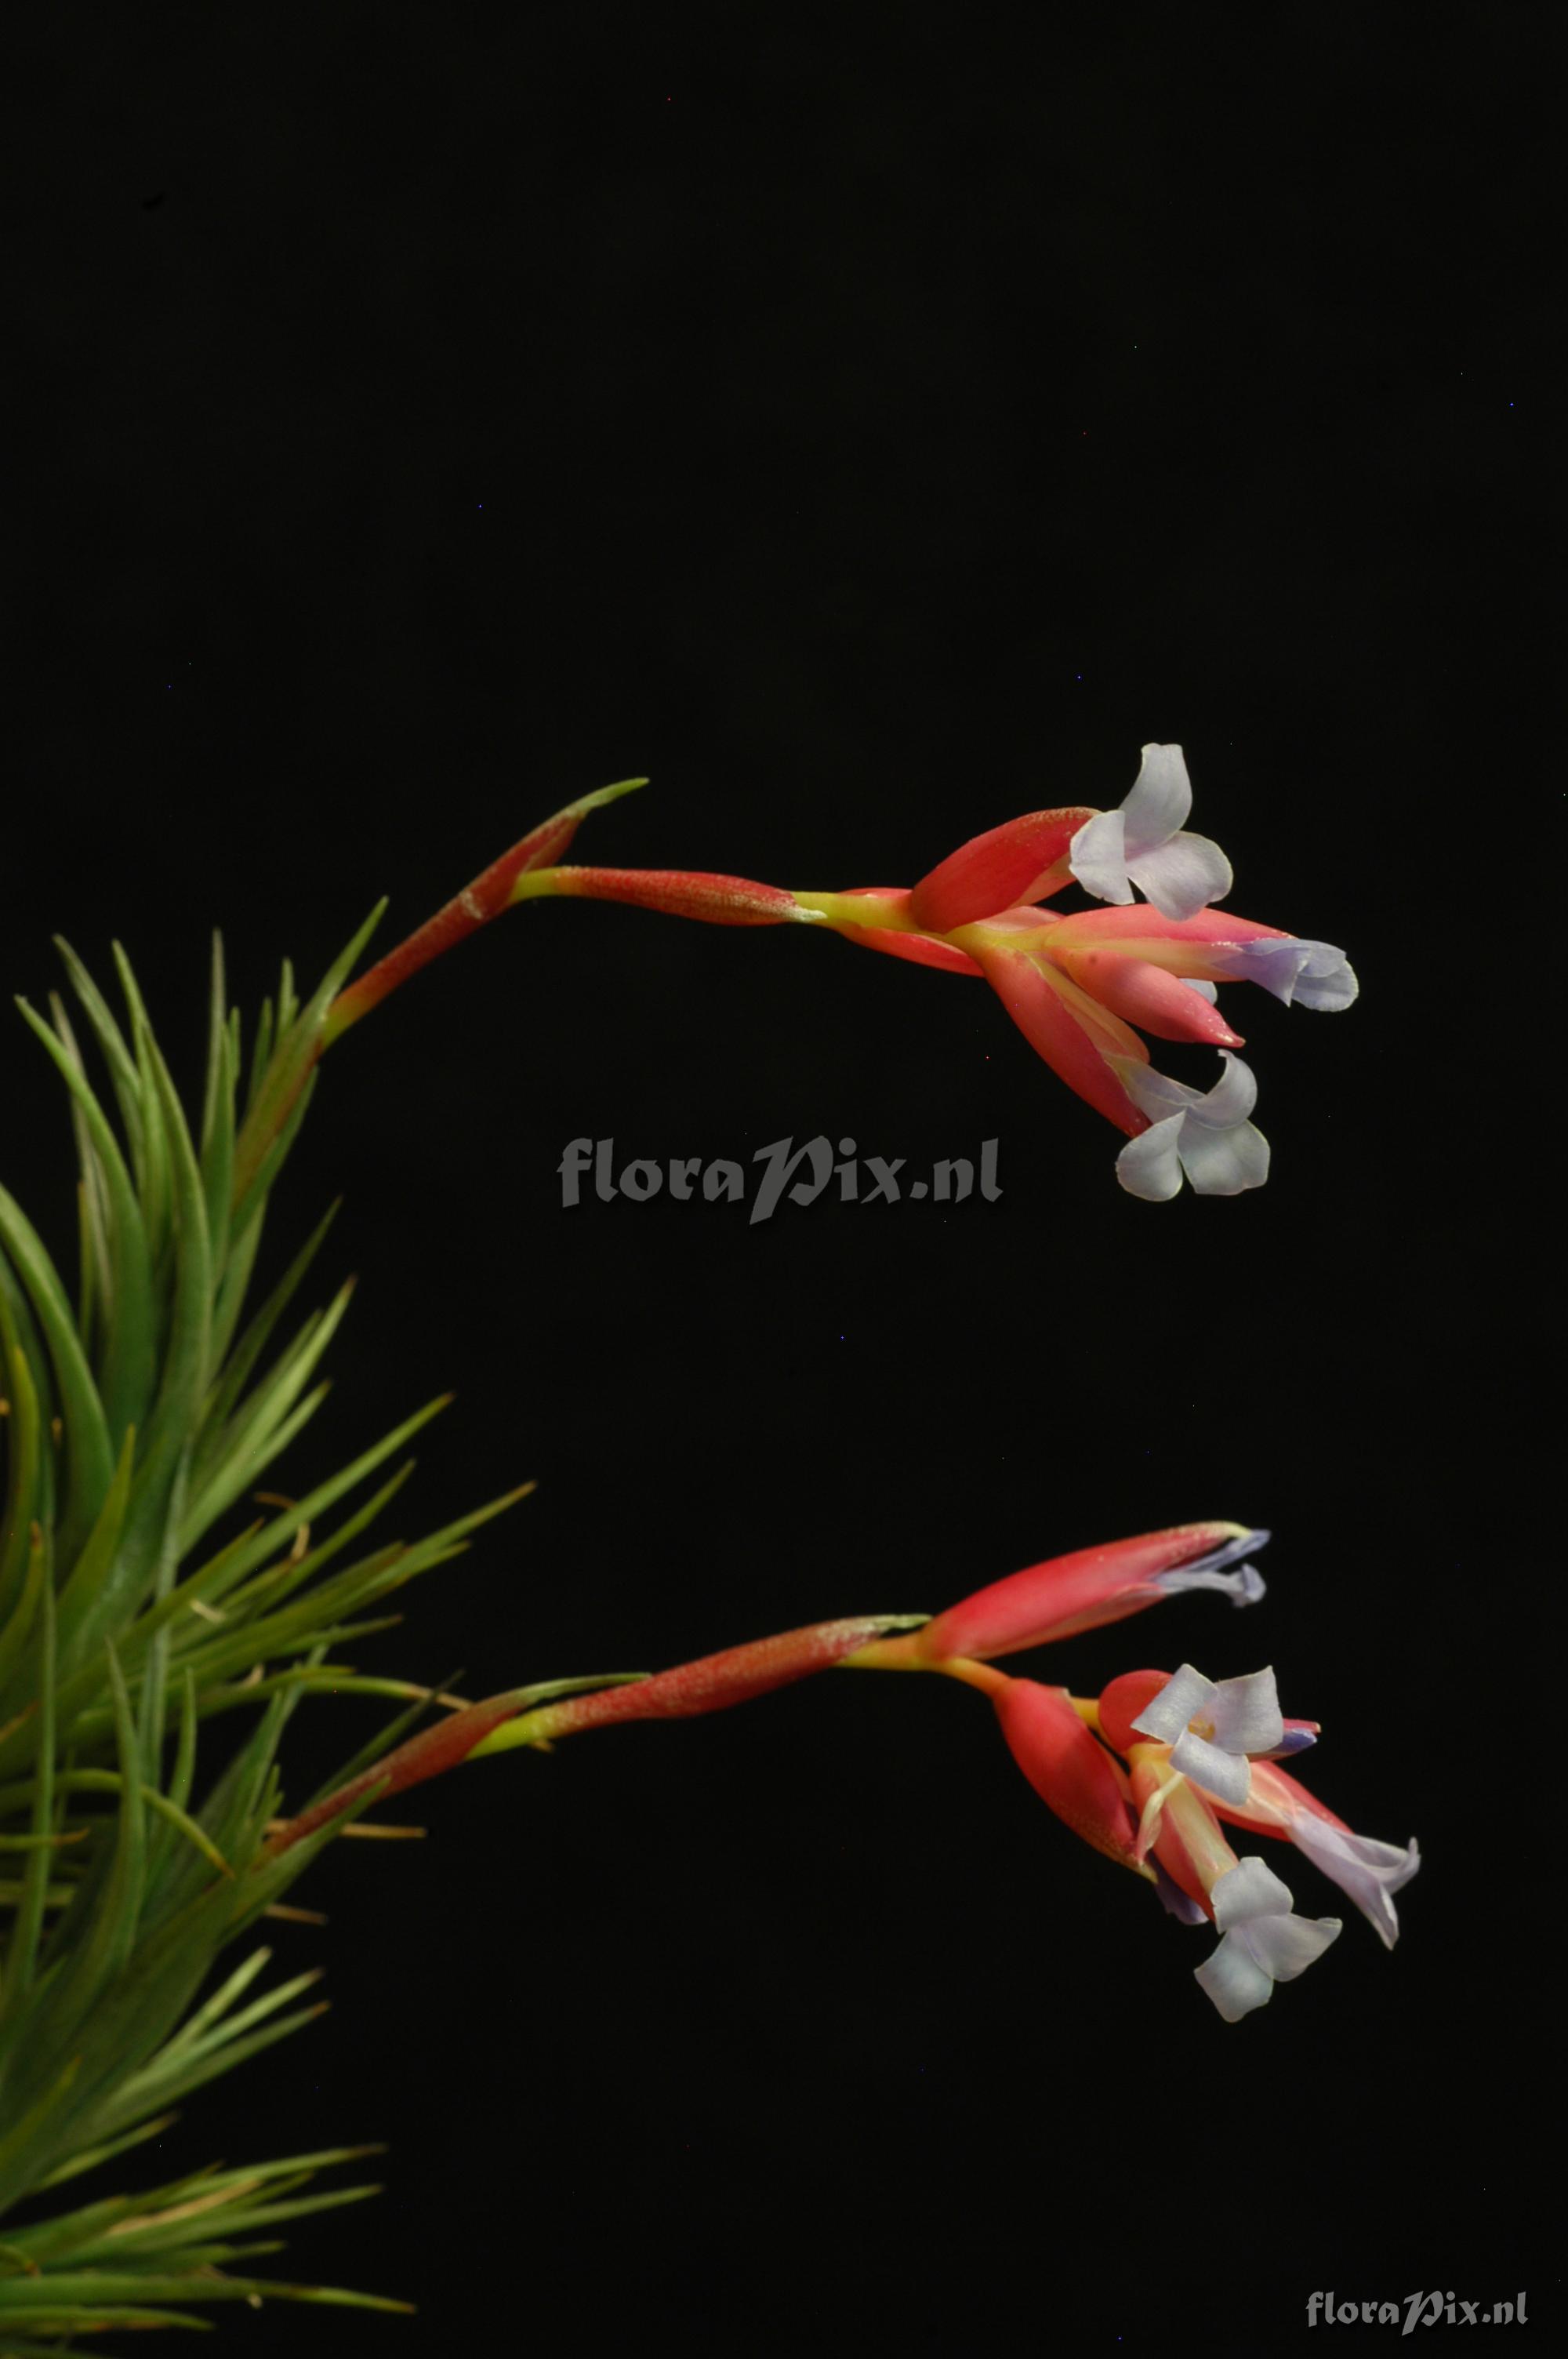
(1091, 1587)
(1068, 1768)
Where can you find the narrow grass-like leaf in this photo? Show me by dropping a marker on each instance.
(280, 1580)
(21, 1954)
(18, 1628)
(55, 2291)
(82, 1625)
(297, 1045)
(126, 1377)
(23, 1503)
(245, 1444)
(258, 1186)
(94, 2158)
(111, 1040)
(153, 1174)
(237, 1368)
(102, 1934)
(217, 1150)
(184, 1772)
(90, 1460)
(277, 1533)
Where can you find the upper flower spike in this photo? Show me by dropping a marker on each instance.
(1075, 984)
(1091, 1587)
(1145, 843)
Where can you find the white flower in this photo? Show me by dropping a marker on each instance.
(1211, 1726)
(1207, 1136)
(1311, 974)
(1145, 842)
(1261, 1940)
(1366, 1871)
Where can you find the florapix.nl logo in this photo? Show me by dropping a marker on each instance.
(788, 1173)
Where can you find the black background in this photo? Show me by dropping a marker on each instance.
(870, 422)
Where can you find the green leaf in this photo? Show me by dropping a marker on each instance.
(254, 1342)
(111, 1040)
(83, 1624)
(242, 1448)
(16, 1543)
(280, 1530)
(90, 1460)
(127, 1303)
(21, 1954)
(218, 1114)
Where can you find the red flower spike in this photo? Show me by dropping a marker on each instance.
(708, 1684)
(466, 912)
(1062, 1024)
(1068, 1768)
(679, 892)
(428, 1755)
(1148, 996)
(1017, 862)
(1143, 924)
(919, 948)
(714, 1682)
(1090, 1587)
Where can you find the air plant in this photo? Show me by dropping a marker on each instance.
(139, 1627)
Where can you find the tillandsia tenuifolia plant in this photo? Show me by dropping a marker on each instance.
(137, 1626)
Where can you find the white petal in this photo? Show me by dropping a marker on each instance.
(1286, 1946)
(1148, 1165)
(1233, 1096)
(1151, 1091)
(1183, 877)
(1367, 1871)
(1248, 1891)
(1159, 799)
(1183, 1697)
(1247, 1717)
(1097, 858)
(1233, 1980)
(1226, 1776)
(1209, 991)
(1225, 1162)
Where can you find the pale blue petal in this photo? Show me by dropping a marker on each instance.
(1224, 1162)
(1247, 1717)
(1366, 1871)
(1247, 1891)
(1167, 1714)
(1149, 1165)
(1226, 1776)
(1097, 858)
(1159, 799)
(1286, 1946)
(1182, 876)
(1233, 1980)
